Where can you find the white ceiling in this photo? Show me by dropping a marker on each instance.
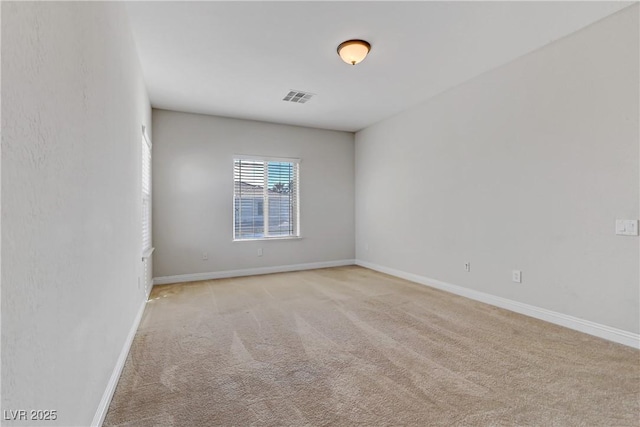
(239, 59)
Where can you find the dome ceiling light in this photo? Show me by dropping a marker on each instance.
(353, 51)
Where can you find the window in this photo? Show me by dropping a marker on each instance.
(265, 198)
(146, 195)
(147, 249)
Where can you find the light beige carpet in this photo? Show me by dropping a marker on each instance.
(350, 346)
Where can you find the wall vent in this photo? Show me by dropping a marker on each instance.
(298, 96)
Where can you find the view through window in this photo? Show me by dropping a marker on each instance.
(265, 198)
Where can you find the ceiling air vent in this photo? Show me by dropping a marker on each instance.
(298, 96)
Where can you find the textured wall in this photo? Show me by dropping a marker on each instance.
(193, 193)
(524, 167)
(73, 102)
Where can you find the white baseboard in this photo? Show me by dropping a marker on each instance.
(602, 331)
(163, 280)
(103, 407)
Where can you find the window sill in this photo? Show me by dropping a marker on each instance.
(262, 239)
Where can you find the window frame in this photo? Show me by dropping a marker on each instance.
(265, 201)
(147, 197)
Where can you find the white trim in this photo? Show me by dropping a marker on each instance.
(249, 272)
(268, 238)
(146, 136)
(147, 253)
(150, 289)
(266, 158)
(586, 326)
(103, 407)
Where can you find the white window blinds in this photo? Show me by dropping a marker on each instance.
(146, 195)
(265, 198)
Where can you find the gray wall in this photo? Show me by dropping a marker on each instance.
(73, 102)
(193, 193)
(524, 167)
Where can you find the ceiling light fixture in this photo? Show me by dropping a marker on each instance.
(353, 51)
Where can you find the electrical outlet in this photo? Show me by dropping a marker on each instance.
(205, 256)
(259, 251)
(627, 227)
(516, 276)
(467, 266)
